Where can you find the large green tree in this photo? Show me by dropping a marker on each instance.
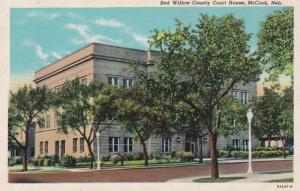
(26, 107)
(143, 113)
(276, 43)
(274, 115)
(200, 65)
(78, 112)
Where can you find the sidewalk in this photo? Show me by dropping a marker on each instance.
(255, 177)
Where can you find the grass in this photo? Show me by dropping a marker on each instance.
(20, 170)
(282, 180)
(218, 180)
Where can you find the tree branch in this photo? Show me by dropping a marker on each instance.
(225, 92)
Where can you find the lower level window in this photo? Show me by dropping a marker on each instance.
(113, 145)
(166, 145)
(128, 144)
(63, 147)
(46, 147)
(236, 143)
(81, 145)
(41, 148)
(245, 145)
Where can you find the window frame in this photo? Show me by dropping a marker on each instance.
(75, 145)
(166, 145)
(113, 144)
(128, 142)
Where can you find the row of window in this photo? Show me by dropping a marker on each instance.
(114, 81)
(113, 144)
(240, 95)
(237, 144)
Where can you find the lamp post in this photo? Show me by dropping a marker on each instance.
(98, 150)
(250, 116)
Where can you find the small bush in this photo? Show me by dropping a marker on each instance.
(17, 160)
(106, 157)
(128, 156)
(224, 153)
(69, 161)
(55, 159)
(47, 162)
(184, 156)
(138, 156)
(116, 158)
(11, 162)
(35, 162)
(83, 159)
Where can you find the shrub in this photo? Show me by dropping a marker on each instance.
(128, 156)
(10, 162)
(17, 160)
(184, 156)
(40, 162)
(106, 157)
(138, 156)
(83, 159)
(35, 162)
(116, 158)
(173, 154)
(47, 162)
(55, 159)
(224, 153)
(69, 161)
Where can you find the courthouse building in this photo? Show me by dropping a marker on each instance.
(111, 64)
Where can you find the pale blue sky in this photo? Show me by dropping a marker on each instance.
(40, 36)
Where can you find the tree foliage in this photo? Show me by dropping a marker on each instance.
(200, 65)
(26, 107)
(276, 43)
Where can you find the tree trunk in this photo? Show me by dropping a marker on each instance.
(24, 156)
(200, 150)
(92, 156)
(213, 155)
(283, 145)
(145, 153)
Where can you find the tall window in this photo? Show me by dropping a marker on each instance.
(244, 97)
(236, 143)
(245, 145)
(57, 147)
(127, 82)
(235, 94)
(46, 147)
(113, 81)
(166, 145)
(47, 121)
(81, 145)
(113, 144)
(41, 148)
(84, 80)
(128, 144)
(63, 147)
(74, 145)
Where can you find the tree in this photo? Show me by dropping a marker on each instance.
(199, 66)
(276, 43)
(26, 106)
(274, 115)
(78, 112)
(142, 113)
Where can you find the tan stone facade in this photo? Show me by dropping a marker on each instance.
(108, 64)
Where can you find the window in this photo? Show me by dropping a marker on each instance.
(74, 145)
(32, 151)
(127, 82)
(46, 147)
(56, 147)
(236, 143)
(245, 145)
(113, 81)
(63, 147)
(84, 80)
(81, 145)
(128, 144)
(244, 97)
(235, 94)
(58, 88)
(113, 144)
(41, 148)
(166, 145)
(58, 122)
(47, 121)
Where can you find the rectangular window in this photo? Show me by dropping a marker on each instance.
(58, 122)
(46, 147)
(57, 147)
(63, 147)
(127, 83)
(81, 145)
(84, 80)
(58, 88)
(41, 148)
(236, 143)
(47, 121)
(235, 94)
(113, 144)
(127, 144)
(113, 81)
(244, 97)
(74, 145)
(245, 145)
(166, 145)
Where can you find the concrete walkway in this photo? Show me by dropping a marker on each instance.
(256, 177)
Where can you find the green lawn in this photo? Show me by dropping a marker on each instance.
(218, 180)
(282, 180)
(20, 170)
